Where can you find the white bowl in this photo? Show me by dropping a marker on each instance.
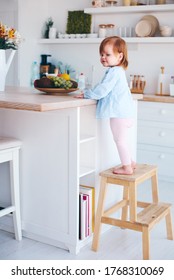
(72, 36)
(78, 35)
(83, 36)
(166, 31)
(164, 27)
(60, 36)
(66, 36)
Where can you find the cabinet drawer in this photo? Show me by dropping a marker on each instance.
(154, 133)
(164, 159)
(156, 111)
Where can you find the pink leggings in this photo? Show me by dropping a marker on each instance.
(119, 128)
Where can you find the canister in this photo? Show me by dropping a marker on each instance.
(102, 30)
(110, 29)
(126, 2)
(160, 2)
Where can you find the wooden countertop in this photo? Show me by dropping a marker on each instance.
(33, 100)
(158, 98)
(27, 99)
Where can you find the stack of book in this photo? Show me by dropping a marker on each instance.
(86, 211)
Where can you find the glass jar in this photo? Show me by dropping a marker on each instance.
(126, 2)
(102, 30)
(160, 2)
(110, 30)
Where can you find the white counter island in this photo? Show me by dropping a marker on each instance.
(63, 146)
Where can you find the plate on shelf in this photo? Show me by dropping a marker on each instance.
(56, 90)
(143, 28)
(154, 23)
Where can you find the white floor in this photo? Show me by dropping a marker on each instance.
(115, 244)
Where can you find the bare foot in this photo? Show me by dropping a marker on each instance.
(125, 169)
(133, 164)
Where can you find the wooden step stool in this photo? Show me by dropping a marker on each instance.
(143, 221)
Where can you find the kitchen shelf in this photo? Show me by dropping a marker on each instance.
(130, 9)
(86, 171)
(150, 40)
(118, 10)
(86, 138)
(132, 40)
(70, 41)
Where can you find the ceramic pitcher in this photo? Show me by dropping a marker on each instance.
(4, 66)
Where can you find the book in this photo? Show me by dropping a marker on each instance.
(82, 216)
(90, 192)
(93, 206)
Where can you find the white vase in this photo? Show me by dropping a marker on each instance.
(52, 33)
(4, 66)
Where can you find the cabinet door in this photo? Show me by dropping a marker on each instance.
(162, 157)
(156, 133)
(156, 111)
(87, 157)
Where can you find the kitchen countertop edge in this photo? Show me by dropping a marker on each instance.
(21, 98)
(158, 98)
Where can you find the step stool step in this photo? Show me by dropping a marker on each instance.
(153, 213)
(141, 173)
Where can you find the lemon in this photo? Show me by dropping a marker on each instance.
(65, 76)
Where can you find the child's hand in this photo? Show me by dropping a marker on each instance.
(81, 95)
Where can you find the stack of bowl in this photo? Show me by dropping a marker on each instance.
(166, 31)
(147, 26)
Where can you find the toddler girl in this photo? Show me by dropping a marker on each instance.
(114, 100)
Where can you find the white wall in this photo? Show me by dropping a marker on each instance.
(143, 58)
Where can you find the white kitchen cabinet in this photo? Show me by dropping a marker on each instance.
(156, 136)
(58, 151)
(64, 145)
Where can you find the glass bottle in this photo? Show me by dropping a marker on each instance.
(34, 72)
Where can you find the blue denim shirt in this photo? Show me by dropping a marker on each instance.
(114, 99)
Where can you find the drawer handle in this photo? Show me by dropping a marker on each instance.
(162, 133)
(163, 111)
(161, 156)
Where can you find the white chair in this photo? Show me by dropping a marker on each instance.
(9, 152)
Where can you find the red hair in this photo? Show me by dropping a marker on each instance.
(119, 46)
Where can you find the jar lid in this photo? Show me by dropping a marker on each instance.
(110, 25)
(102, 25)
